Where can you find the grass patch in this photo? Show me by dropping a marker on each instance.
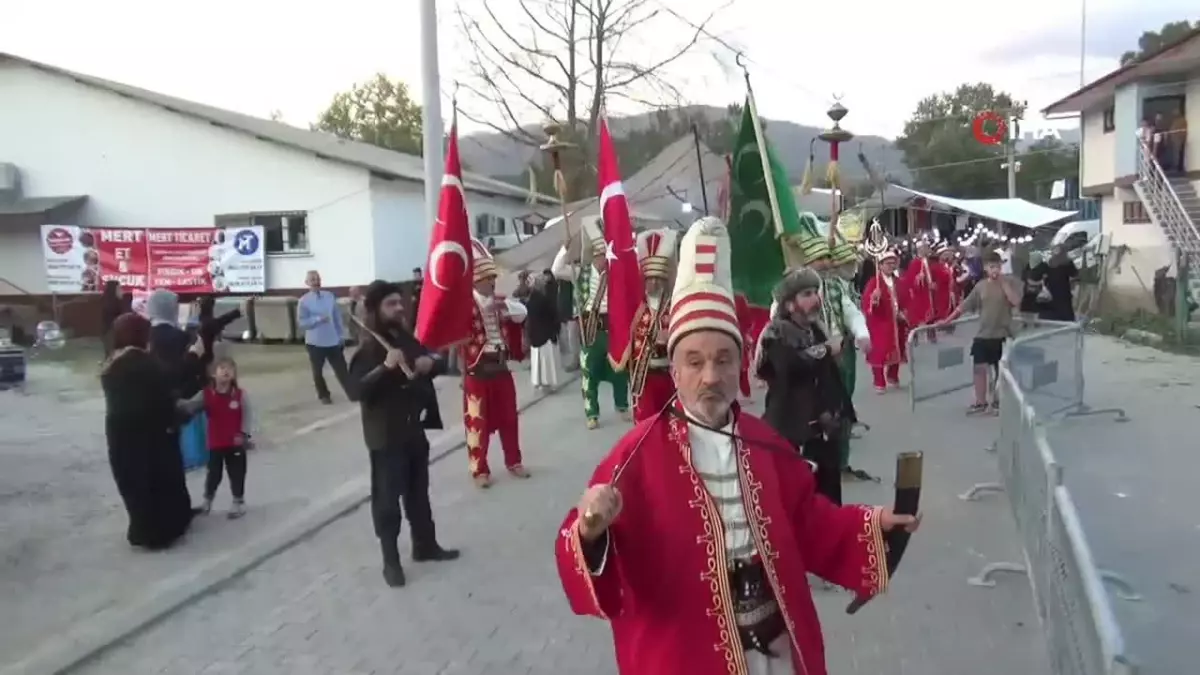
(1117, 324)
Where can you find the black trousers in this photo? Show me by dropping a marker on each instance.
(231, 460)
(400, 476)
(824, 453)
(317, 358)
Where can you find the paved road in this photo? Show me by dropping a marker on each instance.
(63, 555)
(321, 607)
(1134, 485)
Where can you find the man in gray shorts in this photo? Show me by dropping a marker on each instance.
(994, 298)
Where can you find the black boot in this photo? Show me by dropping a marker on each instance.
(393, 572)
(434, 553)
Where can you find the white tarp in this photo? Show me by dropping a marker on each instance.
(1011, 211)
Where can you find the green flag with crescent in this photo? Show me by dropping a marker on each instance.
(755, 238)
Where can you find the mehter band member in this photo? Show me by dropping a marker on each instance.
(489, 393)
(650, 383)
(396, 411)
(920, 282)
(695, 534)
(590, 279)
(848, 329)
(883, 303)
(806, 400)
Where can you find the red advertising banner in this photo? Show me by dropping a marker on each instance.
(183, 260)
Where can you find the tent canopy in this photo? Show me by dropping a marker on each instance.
(653, 194)
(1012, 211)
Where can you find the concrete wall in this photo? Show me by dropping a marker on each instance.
(1098, 159)
(144, 166)
(1127, 115)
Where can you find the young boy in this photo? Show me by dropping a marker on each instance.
(228, 415)
(994, 299)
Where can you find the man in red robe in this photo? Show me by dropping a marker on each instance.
(920, 283)
(650, 383)
(698, 531)
(489, 394)
(943, 281)
(885, 306)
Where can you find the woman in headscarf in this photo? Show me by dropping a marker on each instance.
(1058, 276)
(169, 344)
(141, 426)
(541, 330)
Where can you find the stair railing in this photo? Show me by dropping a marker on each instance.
(1164, 202)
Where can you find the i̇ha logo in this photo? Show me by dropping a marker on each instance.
(59, 240)
(989, 128)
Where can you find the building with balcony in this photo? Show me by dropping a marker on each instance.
(1147, 202)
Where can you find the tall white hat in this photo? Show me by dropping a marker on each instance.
(703, 295)
(656, 252)
(485, 265)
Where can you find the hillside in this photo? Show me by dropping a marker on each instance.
(494, 154)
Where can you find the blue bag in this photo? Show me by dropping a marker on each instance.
(193, 442)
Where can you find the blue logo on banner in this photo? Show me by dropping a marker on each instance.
(246, 242)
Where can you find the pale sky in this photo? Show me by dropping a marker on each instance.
(880, 56)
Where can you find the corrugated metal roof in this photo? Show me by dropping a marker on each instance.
(32, 206)
(371, 157)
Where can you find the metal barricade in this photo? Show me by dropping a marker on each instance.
(1046, 357)
(939, 359)
(1047, 360)
(1076, 614)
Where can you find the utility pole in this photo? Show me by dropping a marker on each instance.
(431, 111)
(1010, 154)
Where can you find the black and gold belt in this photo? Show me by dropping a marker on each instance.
(755, 608)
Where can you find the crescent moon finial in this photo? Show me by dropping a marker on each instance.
(740, 60)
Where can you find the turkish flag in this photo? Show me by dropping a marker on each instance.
(445, 315)
(625, 290)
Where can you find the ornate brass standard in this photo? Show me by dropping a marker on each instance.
(555, 146)
(876, 242)
(835, 136)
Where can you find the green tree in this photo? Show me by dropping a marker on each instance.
(1044, 162)
(940, 148)
(1151, 42)
(379, 111)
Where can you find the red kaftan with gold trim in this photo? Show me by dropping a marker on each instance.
(888, 330)
(664, 586)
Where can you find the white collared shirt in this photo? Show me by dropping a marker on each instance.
(715, 459)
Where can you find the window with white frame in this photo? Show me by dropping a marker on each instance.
(284, 232)
(488, 225)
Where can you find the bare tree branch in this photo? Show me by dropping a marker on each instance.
(572, 54)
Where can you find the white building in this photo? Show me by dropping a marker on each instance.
(1139, 202)
(97, 153)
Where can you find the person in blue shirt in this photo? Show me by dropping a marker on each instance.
(319, 316)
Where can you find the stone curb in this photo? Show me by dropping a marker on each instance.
(90, 637)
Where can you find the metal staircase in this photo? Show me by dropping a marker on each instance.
(1174, 206)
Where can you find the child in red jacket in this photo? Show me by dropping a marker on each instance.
(228, 411)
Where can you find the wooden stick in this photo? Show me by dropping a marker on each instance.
(404, 367)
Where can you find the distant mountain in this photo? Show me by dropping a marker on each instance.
(1065, 136)
(494, 154)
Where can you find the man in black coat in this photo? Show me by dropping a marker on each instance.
(396, 411)
(806, 402)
